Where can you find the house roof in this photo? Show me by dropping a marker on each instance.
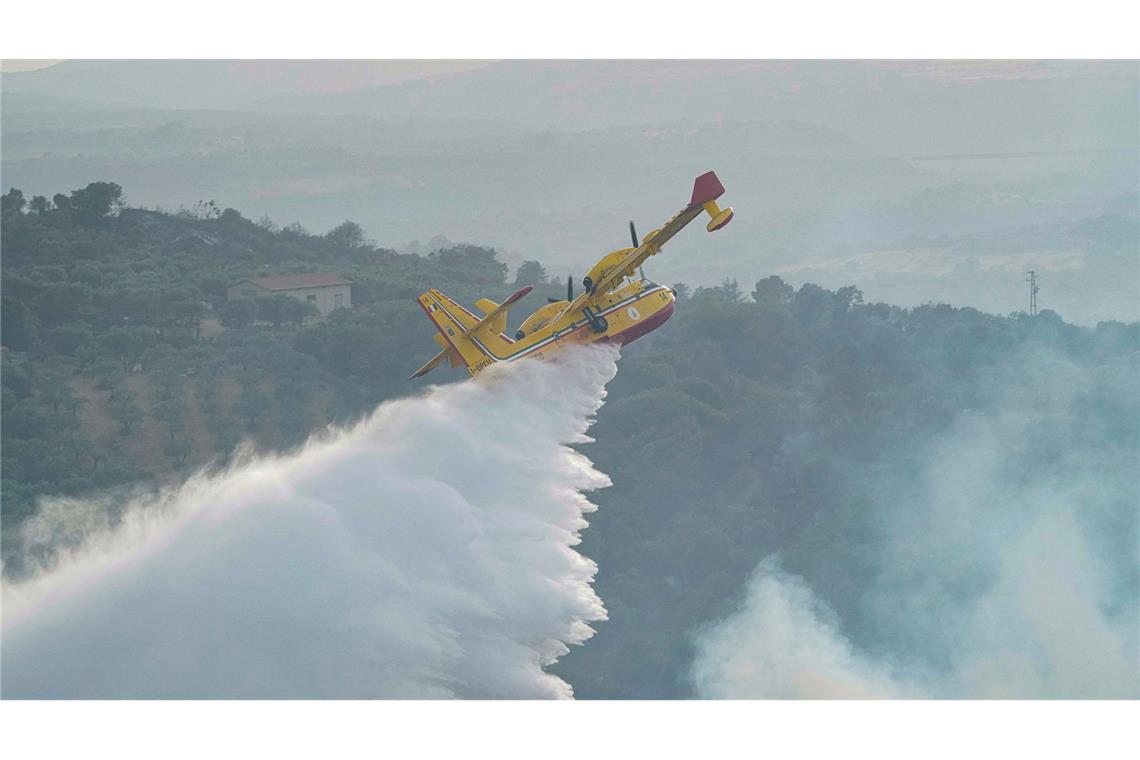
(297, 281)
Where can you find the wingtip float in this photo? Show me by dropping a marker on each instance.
(614, 307)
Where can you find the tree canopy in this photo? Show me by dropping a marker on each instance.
(759, 420)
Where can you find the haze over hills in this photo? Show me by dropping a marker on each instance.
(896, 106)
(814, 495)
(917, 181)
(865, 488)
(195, 84)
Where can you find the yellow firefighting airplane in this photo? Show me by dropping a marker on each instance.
(614, 308)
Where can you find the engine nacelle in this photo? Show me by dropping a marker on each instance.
(607, 264)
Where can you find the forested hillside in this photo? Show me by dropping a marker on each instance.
(801, 424)
(760, 420)
(917, 181)
(105, 382)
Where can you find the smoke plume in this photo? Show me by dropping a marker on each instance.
(426, 552)
(785, 643)
(1005, 567)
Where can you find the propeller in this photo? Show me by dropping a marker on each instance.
(633, 237)
(569, 290)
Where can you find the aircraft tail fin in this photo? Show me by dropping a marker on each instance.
(467, 339)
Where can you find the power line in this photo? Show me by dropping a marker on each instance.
(1032, 280)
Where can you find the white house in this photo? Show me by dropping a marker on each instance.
(327, 291)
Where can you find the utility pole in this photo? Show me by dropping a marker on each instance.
(1032, 280)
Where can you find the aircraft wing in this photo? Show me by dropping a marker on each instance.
(706, 190)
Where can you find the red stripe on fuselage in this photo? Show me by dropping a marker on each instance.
(650, 324)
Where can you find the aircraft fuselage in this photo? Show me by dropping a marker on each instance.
(630, 311)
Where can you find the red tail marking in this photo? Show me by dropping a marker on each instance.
(706, 188)
(517, 295)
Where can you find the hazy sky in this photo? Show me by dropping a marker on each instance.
(27, 64)
(828, 163)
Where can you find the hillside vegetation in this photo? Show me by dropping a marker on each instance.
(917, 181)
(105, 382)
(759, 421)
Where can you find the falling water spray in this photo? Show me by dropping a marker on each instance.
(426, 552)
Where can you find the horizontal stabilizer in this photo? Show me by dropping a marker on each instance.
(501, 309)
(466, 339)
(487, 306)
(518, 294)
(433, 363)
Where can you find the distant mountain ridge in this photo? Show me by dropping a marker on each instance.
(912, 179)
(210, 84)
(895, 106)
